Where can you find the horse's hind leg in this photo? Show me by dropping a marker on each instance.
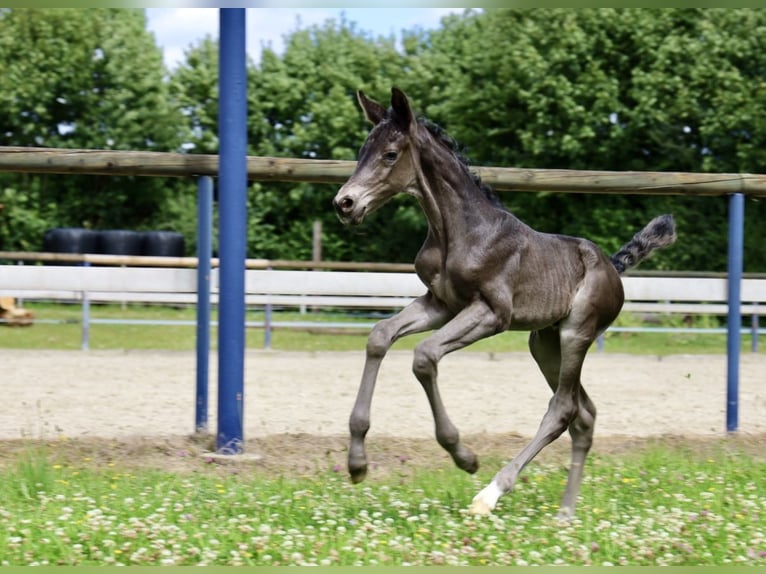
(581, 431)
(546, 350)
(563, 410)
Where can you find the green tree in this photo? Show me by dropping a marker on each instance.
(629, 89)
(81, 79)
(613, 89)
(303, 104)
(194, 91)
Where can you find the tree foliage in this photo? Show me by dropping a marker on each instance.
(608, 89)
(605, 89)
(80, 79)
(304, 105)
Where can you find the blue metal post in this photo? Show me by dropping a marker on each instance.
(734, 325)
(204, 255)
(85, 343)
(232, 205)
(267, 315)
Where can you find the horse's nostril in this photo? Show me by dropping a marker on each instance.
(346, 203)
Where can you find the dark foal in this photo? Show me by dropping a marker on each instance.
(486, 272)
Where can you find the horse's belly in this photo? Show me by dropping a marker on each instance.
(536, 315)
(531, 323)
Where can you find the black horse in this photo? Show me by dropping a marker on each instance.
(486, 272)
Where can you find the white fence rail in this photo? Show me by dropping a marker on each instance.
(337, 289)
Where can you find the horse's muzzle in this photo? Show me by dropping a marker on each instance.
(345, 208)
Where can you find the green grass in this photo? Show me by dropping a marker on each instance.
(68, 334)
(664, 506)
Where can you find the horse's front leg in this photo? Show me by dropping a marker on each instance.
(423, 314)
(476, 321)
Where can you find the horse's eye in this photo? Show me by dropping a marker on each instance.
(390, 156)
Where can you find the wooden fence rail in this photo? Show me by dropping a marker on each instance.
(154, 261)
(140, 163)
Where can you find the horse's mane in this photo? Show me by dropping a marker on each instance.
(451, 144)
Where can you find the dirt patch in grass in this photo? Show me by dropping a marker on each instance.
(305, 455)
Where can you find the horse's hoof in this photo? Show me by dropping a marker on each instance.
(479, 508)
(471, 466)
(358, 474)
(467, 461)
(565, 515)
(484, 502)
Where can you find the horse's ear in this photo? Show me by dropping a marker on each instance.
(403, 113)
(373, 111)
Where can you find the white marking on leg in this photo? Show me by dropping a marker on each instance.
(486, 500)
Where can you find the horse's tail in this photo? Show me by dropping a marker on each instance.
(659, 232)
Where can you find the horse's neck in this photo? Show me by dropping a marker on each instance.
(460, 216)
(450, 199)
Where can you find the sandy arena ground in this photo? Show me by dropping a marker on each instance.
(113, 394)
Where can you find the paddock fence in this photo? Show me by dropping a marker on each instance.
(272, 285)
(735, 186)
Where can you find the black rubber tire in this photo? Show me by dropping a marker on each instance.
(162, 244)
(69, 240)
(119, 242)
